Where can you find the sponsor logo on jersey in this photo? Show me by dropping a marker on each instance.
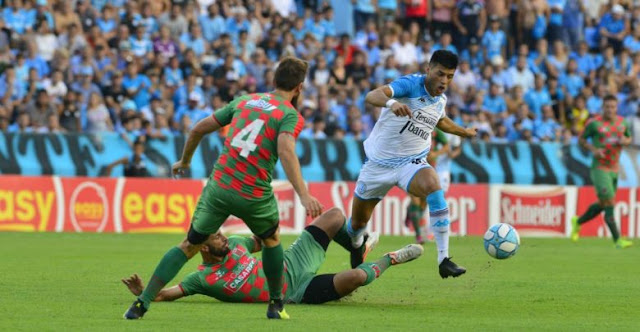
(237, 280)
(423, 117)
(261, 104)
(416, 130)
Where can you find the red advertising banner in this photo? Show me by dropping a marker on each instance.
(533, 210)
(38, 204)
(623, 212)
(28, 204)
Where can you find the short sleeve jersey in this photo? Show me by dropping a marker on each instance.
(606, 135)
(396, 141)
(251, 147)
(238, 278)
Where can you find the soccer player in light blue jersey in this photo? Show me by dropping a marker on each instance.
(397, 152)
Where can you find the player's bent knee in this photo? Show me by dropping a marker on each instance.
(271, 237)
(321, 289)
(195, 237)
(189, 248)
(359, 277)
(335, 214)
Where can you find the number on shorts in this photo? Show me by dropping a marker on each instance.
(246, 138)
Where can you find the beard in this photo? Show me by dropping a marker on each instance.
(294, 101)
(219, 252)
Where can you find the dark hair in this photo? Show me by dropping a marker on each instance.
(610, 97)
(444, 58)
(290, 73)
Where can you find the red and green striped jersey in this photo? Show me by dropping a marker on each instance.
(606, 135)
(438, 140)
(238, 278)
(251, 147)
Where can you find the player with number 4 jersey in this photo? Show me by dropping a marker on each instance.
(263, 128)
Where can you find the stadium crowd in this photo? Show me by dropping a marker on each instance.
(531, 70)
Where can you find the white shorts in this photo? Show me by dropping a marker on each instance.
(375, 181)
(445, 180)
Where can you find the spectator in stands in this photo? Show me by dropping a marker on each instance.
(537, 97)
(470, 19)
(579, 114)
(134, 166)
(40, 109)
(494, 40)
(545, 128)
(98, 119)
(69, 114)
(494, 103)
(614, 27)
(521, 74)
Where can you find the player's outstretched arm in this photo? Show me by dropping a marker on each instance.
(135, 286)
(381, 97)
(291, 165)
(202, 128)
(448, 126)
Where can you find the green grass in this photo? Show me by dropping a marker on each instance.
(72, 282)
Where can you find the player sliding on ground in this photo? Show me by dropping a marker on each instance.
(262, 127)
(398, 146)
(608, 133)
(230, 273)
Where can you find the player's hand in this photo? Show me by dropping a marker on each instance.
(470, 132)
(625, 140)
(598, 153)
(134, 283)
(179, 168)
(314, 208)
(400, 109)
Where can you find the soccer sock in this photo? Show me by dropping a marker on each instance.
(608, 218)
(593, 210)
(343, 239)
(357, 237)
(273, 266)
(439, 222)
(375, 269)
(166, 270)
(414, 214)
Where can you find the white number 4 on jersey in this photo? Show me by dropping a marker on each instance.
(246, 138)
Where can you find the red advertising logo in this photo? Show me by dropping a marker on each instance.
(27, 204)
(89, 207)
(88, 203)
(534, 211)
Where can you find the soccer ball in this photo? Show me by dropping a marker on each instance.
(501, 241)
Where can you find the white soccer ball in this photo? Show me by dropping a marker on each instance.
(501, 241)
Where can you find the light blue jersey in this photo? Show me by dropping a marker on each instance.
(396, 141)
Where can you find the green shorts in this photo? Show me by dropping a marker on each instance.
(216, 204)
(606, 183)
(303, 259)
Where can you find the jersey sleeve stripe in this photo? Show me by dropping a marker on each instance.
(216, 119)
(182, 290)
(299, 126)
(392, 92)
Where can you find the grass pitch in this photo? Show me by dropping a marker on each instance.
(72, 282)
